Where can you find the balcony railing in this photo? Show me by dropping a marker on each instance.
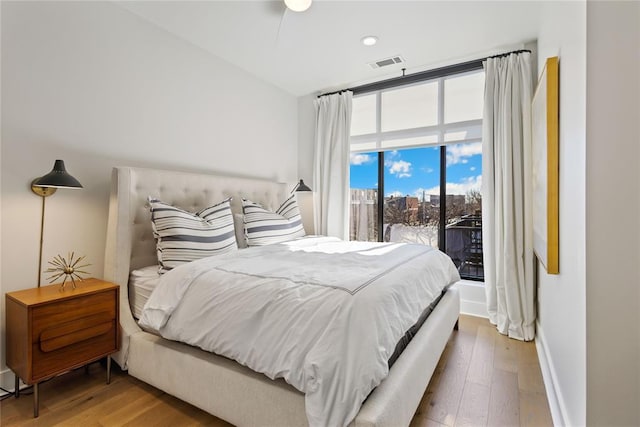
(464, 246)
(413, 222)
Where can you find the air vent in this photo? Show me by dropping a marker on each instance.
(386, 62)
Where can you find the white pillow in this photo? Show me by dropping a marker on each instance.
(182, 236)
(263, 227)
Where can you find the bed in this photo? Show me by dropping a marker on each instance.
(216, 384)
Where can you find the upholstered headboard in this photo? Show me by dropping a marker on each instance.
(130, 242)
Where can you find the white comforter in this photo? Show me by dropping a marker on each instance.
(321, 313)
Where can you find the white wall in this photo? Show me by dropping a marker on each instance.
(306, 138)
(561, 298)
(613, 209)
(589, 323)
(97, 86)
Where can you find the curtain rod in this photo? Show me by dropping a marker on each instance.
(463, 67)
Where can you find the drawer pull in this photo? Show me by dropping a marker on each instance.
(65, 334)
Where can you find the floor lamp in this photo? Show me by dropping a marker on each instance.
(45, 186)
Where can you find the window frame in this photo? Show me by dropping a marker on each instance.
(439, 130)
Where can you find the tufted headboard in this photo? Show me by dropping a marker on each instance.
(130, 242)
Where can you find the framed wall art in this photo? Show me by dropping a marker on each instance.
(545, 167)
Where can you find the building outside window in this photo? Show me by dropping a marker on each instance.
(416, 167)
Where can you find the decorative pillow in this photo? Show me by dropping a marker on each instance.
(263, 227)
(182, 236)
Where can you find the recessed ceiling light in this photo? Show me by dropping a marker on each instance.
(298, 5)
(369, 40)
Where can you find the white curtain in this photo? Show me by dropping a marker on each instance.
(331, 164)
(506, 195)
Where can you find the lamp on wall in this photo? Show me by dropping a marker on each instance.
(44, 187)
(301, 186)
(304, 195)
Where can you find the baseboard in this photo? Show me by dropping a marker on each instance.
(472, 298)
(556, 403)
(473, 308)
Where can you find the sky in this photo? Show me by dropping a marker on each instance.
(417, 170)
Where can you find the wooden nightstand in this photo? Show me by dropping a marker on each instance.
(51, 331)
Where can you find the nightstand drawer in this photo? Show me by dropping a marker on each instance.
(65, 334)
(72, 310)
(53, 356)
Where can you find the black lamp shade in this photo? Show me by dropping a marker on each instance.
(58, 178)
(302, 186)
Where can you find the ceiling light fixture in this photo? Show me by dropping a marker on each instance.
(298, 5)
(369, 40)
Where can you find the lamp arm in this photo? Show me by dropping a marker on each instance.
(41, 241)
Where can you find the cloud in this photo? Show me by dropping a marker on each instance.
(462, 187)
(459, 153)
(400, 168)
(358, 159)
(395, 194)
(472, 168)
(427, 170)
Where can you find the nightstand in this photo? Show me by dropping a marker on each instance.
(51, 331)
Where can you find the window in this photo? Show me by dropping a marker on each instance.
(416, 167)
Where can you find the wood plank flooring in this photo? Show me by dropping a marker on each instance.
(482, 379)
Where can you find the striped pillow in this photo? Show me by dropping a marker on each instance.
(182, 236)
(263, 227)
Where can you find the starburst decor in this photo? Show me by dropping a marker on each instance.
(69, 269)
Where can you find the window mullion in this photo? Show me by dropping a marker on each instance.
(442, 235)
(419, 131)
(380, 166)
(379, 120)
(380, 196)
(443, 169)
(440, 102)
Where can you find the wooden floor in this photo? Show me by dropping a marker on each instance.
(483, 378)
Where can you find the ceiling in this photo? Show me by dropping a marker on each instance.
(320, 50)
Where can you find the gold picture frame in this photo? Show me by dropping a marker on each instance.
(545, 167)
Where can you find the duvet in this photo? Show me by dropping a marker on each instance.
(321, 313)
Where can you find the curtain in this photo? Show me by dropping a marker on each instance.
(331, 164)
(507, 230)
(363, 208)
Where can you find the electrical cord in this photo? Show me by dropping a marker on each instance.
(8, 393)
(27, 391)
